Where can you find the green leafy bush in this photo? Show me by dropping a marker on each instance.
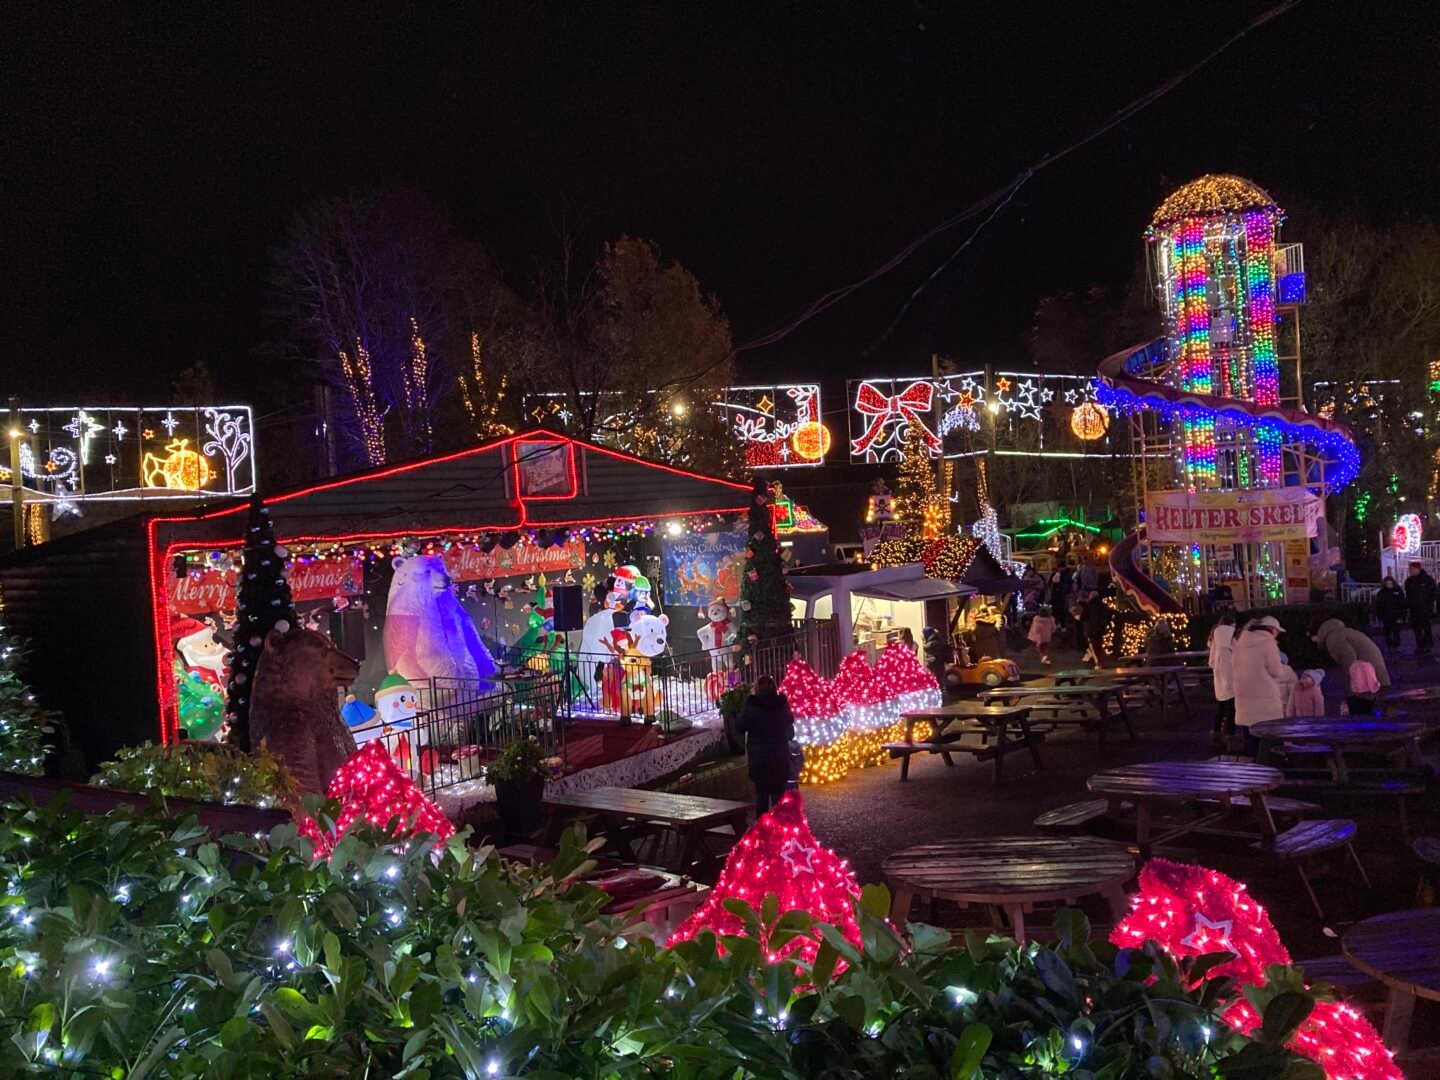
(135, 946)
(209, 772)
(24, 726)
(523, 760)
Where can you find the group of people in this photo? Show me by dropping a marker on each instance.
(1254, 681)
(1415, 602)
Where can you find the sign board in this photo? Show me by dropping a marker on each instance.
(1231, 517)
(1297, 571)
(203, 591)
(702, 568)
(468, 564)
(546, 469)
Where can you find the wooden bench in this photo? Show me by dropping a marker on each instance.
(1072, 817)
(1302, 842)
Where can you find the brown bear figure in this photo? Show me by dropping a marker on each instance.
(294, 707)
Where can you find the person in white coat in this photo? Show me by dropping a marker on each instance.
(1262, 678)
(1222, 637)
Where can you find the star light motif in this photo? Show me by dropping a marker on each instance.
(1071, 397)
(169, 423)
(1003, 385)
(1046, 396)
(765, 405)
(967, 400)
(120, 430)
(793, 852)
(148, 433)
(1201, 939)
(34, 426)
(110, 459)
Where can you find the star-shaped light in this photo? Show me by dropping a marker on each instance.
(148, 433)
(967, 400)
(169, 423)
(110, 459)
(1201, 937)
(120, 430)
(765, 405)
(1070, 397)
(34, 426)
(1003, 385)
(1047, 395)
(793, 852)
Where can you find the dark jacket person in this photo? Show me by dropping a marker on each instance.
(768, 726)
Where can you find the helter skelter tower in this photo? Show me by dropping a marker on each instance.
(1208, 414)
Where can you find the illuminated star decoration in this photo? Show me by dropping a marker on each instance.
(148, 433)
(1003, 385)
(1071, 397)
(83, 427)
(793, 852)
(967, 400)
(1201, 940)
(1025, 401)
(1046, 396)
(169, 423)
(765, 405)
(110, 459)
(34, 426)
(120, 430)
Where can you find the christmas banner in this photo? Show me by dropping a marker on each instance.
(1231, 517)
(522, 560)
(699, 569)
(203, 591)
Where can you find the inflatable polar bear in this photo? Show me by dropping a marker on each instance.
(427, 633)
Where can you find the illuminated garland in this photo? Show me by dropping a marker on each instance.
(1135, 630)
(1265, 367)
(1192, 336)
(947, 557)
(1191, 911)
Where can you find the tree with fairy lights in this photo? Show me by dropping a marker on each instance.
(264, 600)
(916, 487)
(780, 857)
(764, 595)
(24, 725)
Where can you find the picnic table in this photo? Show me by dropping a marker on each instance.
(1183, 783)
(1010, 874)
(1338, 734)
(1402, 950)
(627, 811)
(1191, 658)
(1155, 676)
(988, 722)
(1395, 697)
(1061, 704)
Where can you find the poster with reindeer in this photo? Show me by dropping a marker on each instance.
(702, 568)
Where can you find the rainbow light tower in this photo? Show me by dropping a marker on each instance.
(1214, 248)
(1231, 471)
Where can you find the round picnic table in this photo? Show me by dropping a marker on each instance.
(1010, 874)
(1395, 696)
(1184, 782)
(1341, 733)
(1402, 950)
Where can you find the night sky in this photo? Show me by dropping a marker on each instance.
(151, 161)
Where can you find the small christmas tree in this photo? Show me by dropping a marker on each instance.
(764, 595)
(23, 723)
(264, 600)
(917, 482)
(780, 855)
(1191, 911)
(371, 786)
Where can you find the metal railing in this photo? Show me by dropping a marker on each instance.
(465, 724)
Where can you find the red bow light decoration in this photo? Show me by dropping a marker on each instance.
(907, 407)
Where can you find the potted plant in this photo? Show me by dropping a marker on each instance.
(519, 776)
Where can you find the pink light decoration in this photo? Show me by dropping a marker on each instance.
(780, 855)
(1190, 910)
(817, 712)
(372, 786)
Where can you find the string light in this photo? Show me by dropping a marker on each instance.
(371, 786)
(1190, 911)
(780, 856)
(361, 387)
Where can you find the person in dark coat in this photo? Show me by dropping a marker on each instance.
(1420, 597)
(768, 726)
(1390, 609)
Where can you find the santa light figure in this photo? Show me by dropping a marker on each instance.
(1191, 910)
(780, 855)
(371, 786)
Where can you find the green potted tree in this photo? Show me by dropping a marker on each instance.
(519, 776)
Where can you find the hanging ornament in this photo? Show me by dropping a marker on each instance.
(1090, 421)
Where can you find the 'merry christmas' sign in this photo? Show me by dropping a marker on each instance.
(1231, 517)
(469, 564)
(204, 591)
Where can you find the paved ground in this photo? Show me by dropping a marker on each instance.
(871, 813)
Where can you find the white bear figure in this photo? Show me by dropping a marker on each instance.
(427, 633)
(599, 643)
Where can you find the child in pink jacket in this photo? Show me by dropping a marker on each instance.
(1307, 699)
(1042, 629)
